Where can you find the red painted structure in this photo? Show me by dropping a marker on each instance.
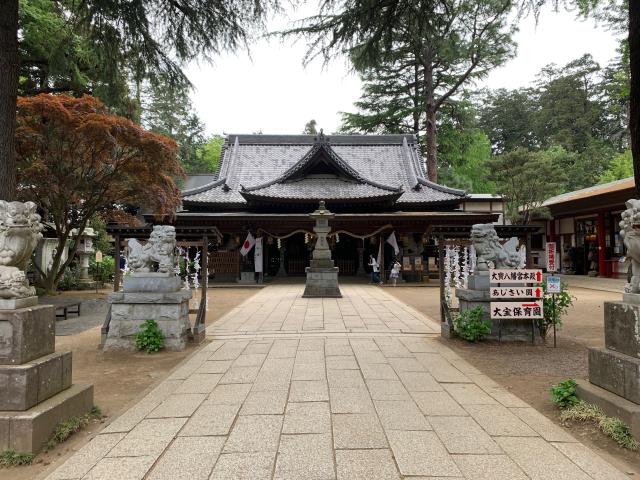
(585, 227)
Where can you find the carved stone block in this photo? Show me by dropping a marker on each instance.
(26, 334)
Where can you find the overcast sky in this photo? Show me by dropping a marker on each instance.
(271, 91)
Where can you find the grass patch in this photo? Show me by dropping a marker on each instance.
(612, 427)
(10, 458)
(74, 424)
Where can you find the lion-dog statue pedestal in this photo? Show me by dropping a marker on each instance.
(490, 253)
(152, 291)
(614, 370)
(36, 393)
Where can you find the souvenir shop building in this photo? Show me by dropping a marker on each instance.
(267, 185)
(585, 225)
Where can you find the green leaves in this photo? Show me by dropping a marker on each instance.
(563, 394)
(526, 179)
(471, 324)
(554, 309)
(149, 338)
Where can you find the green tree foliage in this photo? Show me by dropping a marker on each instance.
(433, 46)
(463, 150)
(506, 116)
(573, 113)
(526, 178)
(620, 167)
(85, 46)
(56, 57)
(167, 110)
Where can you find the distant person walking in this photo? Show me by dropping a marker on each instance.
(395, 271)
(375, 270)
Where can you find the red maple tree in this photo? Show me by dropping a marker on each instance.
(76, 160)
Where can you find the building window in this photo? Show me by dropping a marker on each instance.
(536, 241)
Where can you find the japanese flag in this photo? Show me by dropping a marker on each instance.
(247, 245)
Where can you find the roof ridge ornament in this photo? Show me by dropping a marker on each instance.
(321, 138)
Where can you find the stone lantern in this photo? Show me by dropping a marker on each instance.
(85, 250)
(322, 275)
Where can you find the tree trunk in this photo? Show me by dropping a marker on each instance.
(8, 96)
(432, 130)
(634, 94)
(432, 145)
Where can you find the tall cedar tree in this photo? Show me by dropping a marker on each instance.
(451, 41)
(613, 11)
(75, 160)
(153, 37)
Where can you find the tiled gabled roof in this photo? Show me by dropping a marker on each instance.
(366, 166)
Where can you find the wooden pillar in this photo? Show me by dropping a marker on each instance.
(381, 247)
(443, 318)
(552, 230)
(528, 243)
(602, 251)
(204, 257)
(117, 274)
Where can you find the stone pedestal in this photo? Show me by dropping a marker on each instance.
(322, 282)
(478, 294)
(247, 278)
(36, 393)
(129, 310)
(614, 371)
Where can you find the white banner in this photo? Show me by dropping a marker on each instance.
(257, 255)
(394, 243)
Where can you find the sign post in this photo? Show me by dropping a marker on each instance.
(98, 262)
(521, 296)
(553, 287)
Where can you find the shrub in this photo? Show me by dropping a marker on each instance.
(562, 303)
(471, 324)
(72, 425)
(10, 458)
(150, 337)
(107, 268)
(612, 427)
(563, 394)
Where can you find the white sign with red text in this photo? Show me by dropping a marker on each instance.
(510, 310)
(551, 257)
(516, 292)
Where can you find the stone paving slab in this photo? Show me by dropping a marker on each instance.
(290, 388)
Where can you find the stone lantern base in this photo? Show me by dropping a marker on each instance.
(322, 282)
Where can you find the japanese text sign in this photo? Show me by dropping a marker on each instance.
(551, 257)
(515, 276)
(516, 292)
(512, 310)
(553, 284)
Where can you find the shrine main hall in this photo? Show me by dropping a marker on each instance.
(376, 185)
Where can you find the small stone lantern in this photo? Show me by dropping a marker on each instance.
(85, 250)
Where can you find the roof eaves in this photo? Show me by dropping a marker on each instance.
(204, 188)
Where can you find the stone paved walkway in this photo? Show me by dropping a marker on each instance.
(354, 388)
